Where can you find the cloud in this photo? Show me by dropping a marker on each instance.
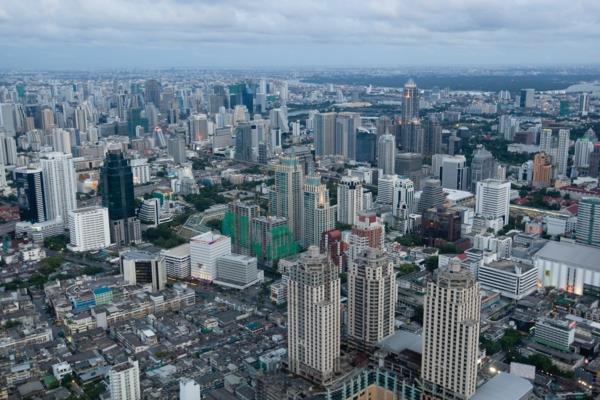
(540, 28)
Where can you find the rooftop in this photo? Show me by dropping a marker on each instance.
(504, 387)
(574, 254)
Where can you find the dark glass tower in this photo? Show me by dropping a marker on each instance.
(116, 179)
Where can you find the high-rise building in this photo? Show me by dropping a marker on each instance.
(584, 104)
(432, 143)
(60, 186)
(319, 215)
(7, 119)
(152, 89)
(144, 268)
(412, 137)
(314, 301)
(246, 142)
(557, 147)
(403, 203)
(272, 239)
(527, 98)
(483, 166)
(410, 102)
(236, 271)
(451, 334)
(31, 194)
(331, 244)
(324, 133)
(287, 199)
(89, 229)
(432, 195)
(176, 149)
(204, 251)
(237, 224)
(493, 199)
(368, 231)
(588, 221)
(346, 127)
(366, 147)
(583, 149)
(8, 150)
(386, 153)
(177, 261)
(116, 187)
(542, 171)
(349, 199)
(124, 379)
(385, 189)
(594, 170)
(452, 170)
(372, 297)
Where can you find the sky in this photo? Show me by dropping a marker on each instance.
(87, 34)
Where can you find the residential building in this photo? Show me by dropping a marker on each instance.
(319, 215)
(89, 229)
(349, 198)
(124, 381)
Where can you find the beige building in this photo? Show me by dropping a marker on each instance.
(314, 317)
(451, 335)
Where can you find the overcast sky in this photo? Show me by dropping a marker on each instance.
(38, 34)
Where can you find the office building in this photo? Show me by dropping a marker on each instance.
(451, 315)
(442, 223)
(594, 170)
(386, 153)
(272, 239)
(31, 194)
(511, 279)
(237, 224)
(89, 229)
(527, 99)
(432, 143)
(410, 102)
(236, 271)
(8, 150)
(493, 199)
(349, 198)
(177, 261)
(542, 171)
(324, 133)
(366, 147)
(346, 127)
(588, 221)
(60, 187)
(452, 171)
(412, 137)
(319, 215)
(385, 189)
(116, 187)
(584, 104)
(246, 142)
(583, 149)
(124, 381)
(204, 251)
(287, 199)
(176, 149)
(483, 166)
(7, 119)
(403, 204)
(314, 301)
(372, 297)
(144, 268)
(152, 92)
(555, 333)
(432, 195)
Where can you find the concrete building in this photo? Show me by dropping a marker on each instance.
(89, 229)
(319, 214)
(237, 271)
(386, 153)
(588, 221)
(451, 334)
(314, 301)
(386, 185)
(542, 171)
(509, 278)
(204, 251)
(403, 204)
(452, 171)
(177, 261)
(324, 133)
(287, 199)
(349, 198)
(124, 380)
(144, 268)
(493, 199)
(60, 186)
(189, 389)
(372, 295)
(368, 231)
(554, 333)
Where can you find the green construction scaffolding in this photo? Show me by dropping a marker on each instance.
(237, 228)
(278, 243)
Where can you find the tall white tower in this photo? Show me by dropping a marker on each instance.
(319, 215)
(386, 153)
(124, 381)
(493, 199)
(349, 198)
(59, 184)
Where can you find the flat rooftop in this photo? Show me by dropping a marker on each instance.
(504, 387)
(509, 266)
(574, 254)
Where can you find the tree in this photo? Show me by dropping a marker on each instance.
(56, 243)
(407, 268)
(431, 263)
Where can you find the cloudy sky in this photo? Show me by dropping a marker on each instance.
(37, 34)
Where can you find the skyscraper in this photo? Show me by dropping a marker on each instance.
(432, 142)
(349, 199)
(314, 317)
(410, 102)
(89, 229)
(152, 92)
(386, 153)
(403, 203)
(451, 334)
(237, 224)
(588, 221)
(324, 133)
(557, 147)
(527, 98)
(346, 126)
(584, 104)
(542, 171)
(176, 149)
(493, 199)
(371, 298)
(483, 166)
(31, 194)
(287, 199)
(124, 379)
(583, 149)
(116, 186)
(60, 187)
(412, 137)
(246, 142)
(452, 170)
(319, 215)
(368, 231)
(366, 147)
(432, 195)
(272, 240)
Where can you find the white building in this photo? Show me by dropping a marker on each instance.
(61, 369)
(60, 186)
(493, 199)
(89, 229)
(189, 389)
(237, 271)
(314, 317)
(568, 266)
(385, 189)
(124, 381)
(386, 153)
(403, 203)
(319, 214)
(451, 170)
(177, 261)
(509, 278)
(141, 171)
(349, 198)
(204, 251)
(555, 333)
